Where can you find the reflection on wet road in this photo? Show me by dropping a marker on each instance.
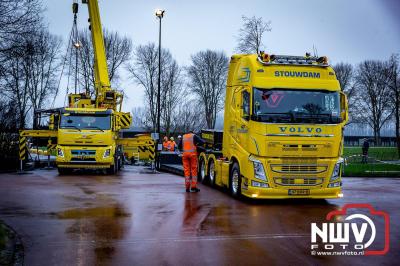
(139, 218)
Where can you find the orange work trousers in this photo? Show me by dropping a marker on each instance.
(189, 161)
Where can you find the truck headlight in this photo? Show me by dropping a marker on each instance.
(60, 152)
(259, 171)
(107, 153)
(336, 171)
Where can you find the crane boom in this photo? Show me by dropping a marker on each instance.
(100, 66)
(105, 96)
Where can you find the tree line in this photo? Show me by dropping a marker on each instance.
(373, 91)
(32, 61)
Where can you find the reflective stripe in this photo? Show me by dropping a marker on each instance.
(188, 143)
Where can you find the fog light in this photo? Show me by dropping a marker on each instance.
(340, 195)
(336, 184)
(259, 184)
(254, 195)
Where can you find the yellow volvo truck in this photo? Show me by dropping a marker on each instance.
(87, 131)
(283, 129)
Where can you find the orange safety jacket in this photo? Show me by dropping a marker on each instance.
(167, 145)
(172, 146)
(188, 146)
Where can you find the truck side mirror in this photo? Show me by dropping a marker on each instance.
(344, 107)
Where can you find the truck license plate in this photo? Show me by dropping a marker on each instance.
(298, 192)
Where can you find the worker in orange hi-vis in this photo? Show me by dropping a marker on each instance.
(166, 144)
(188, 146)
(172, 143)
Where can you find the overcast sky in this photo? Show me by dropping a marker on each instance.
(343, 30)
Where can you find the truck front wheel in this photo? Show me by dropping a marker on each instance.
(235, 181)
(112, 170)
(202, 171)
(64, 171)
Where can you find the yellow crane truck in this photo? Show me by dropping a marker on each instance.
(87, 131)
(283, 129)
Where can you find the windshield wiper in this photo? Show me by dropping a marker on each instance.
(320, 118)
(75, 127)
(96, 128)
(274, 117)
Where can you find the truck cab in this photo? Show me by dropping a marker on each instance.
(86, 140)
(283, 129)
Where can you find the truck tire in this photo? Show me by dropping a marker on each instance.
(202, 176)
(235, 181)
(211, 173)
(64, 171)
(112, 170)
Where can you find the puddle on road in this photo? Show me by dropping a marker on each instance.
(105, 212)
(102, 226)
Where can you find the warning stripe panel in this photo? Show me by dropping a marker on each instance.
(51, 146)
(143, 148)
(125, 121)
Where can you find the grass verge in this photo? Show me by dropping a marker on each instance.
(380, 153)
(372, 170)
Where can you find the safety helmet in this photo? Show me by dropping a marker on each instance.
(171, 138)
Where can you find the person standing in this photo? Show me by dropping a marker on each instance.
(172, 143)
(179, 144)
(365, 151)
(188, 146)
(166, 144)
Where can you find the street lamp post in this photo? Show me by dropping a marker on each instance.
(160, 15)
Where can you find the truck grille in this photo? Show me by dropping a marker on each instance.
(299, 168)
(83, 160)
(83, 152)
(295, 181)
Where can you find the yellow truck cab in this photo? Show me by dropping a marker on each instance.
(87, 140)
(283, 129)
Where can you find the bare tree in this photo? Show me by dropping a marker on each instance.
(15, 84)
(188, 116)
(16, 19)
(250, 38)
(171, 81)
(345, 75)
(373, 95)
(118, 52)
(139, 116)
(394, 86)
(41, 65)
(207, 79)
(144, 71)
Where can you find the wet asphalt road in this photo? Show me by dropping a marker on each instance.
(137, 218)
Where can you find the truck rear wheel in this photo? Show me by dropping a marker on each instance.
(211, 172)
(235, 181)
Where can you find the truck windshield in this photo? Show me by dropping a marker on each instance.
(296, 106)
(84, 121)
